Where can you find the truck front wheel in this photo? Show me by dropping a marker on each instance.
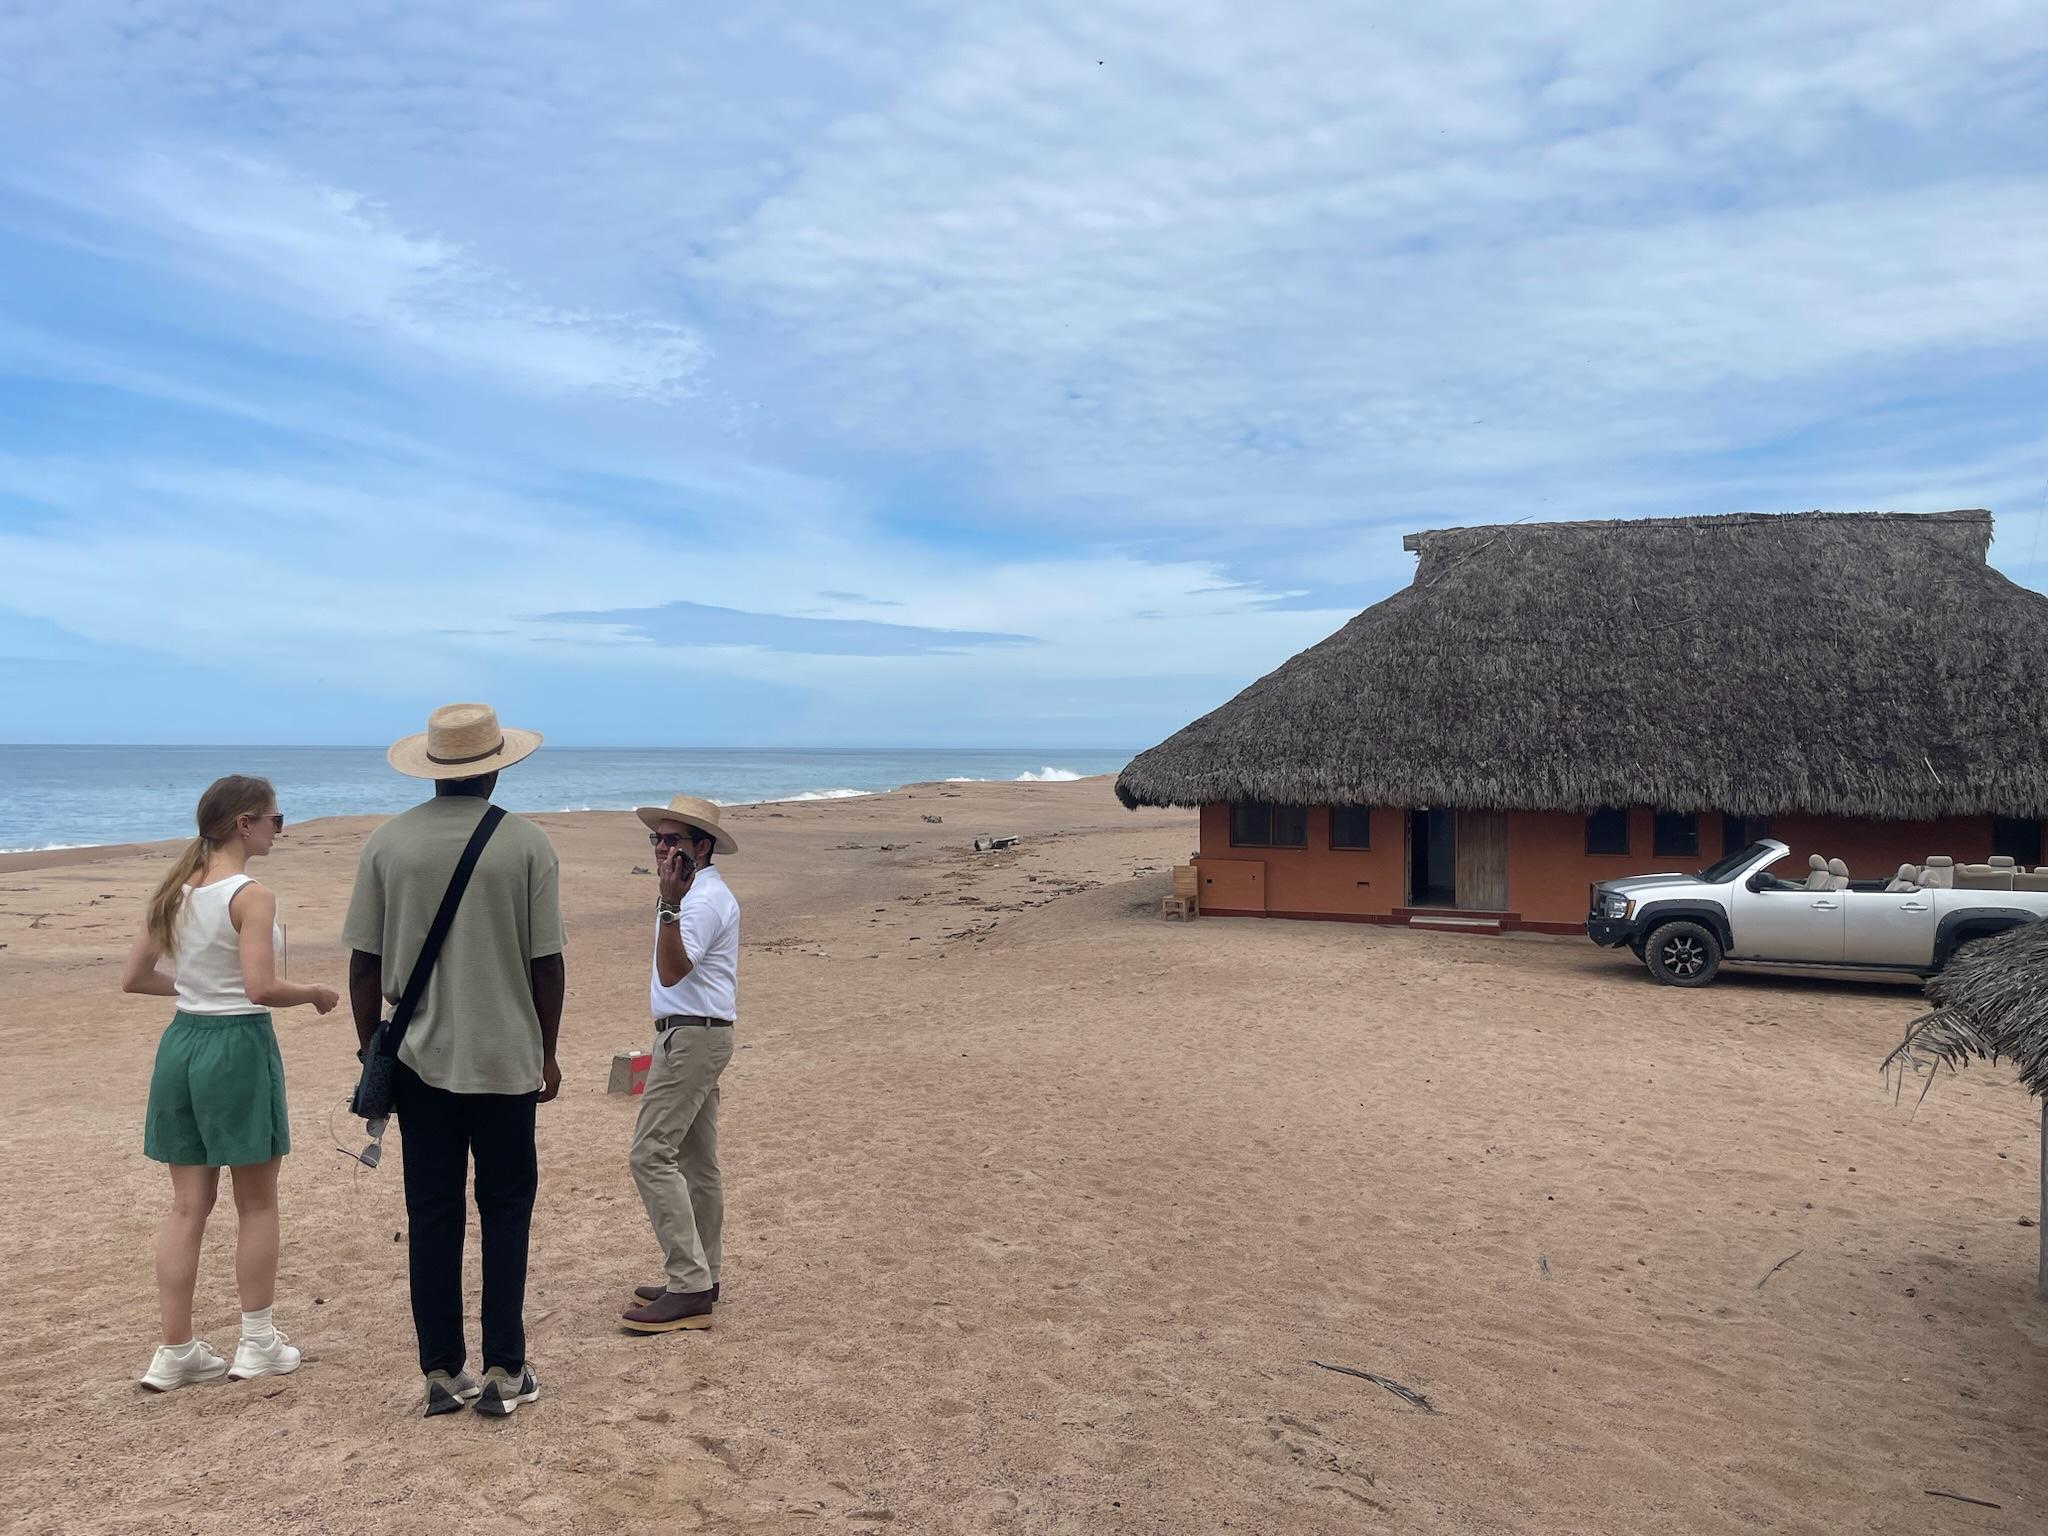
(1682, 953)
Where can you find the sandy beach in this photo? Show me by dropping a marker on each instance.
(1042, 1211)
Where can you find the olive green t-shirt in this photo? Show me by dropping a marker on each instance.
(475, 1030)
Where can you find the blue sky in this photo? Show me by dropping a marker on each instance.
(931, 374)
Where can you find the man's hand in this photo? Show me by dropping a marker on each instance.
(673, 882)
(551, 1080)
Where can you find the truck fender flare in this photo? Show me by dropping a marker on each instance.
(1711, 915)
(1960, 928)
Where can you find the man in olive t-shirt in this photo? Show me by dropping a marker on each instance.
(479, 1053)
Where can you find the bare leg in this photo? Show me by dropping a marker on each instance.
(177, 1246)
(256, 1242)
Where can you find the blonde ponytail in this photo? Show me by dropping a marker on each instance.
(169, 899)
(225, 801)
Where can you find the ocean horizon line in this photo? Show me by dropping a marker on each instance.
(87, 795)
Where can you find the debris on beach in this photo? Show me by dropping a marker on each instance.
(991, 844)
(1406, 1394)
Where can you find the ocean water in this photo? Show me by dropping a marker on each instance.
(66, 797)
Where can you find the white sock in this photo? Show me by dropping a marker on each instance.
(181, 1350)
(257, 1327)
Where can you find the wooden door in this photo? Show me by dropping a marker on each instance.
(1482, 880)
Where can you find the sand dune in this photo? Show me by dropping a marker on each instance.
(1041, 1210)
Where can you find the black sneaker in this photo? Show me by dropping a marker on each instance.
(450, 1394)
(504, 1392)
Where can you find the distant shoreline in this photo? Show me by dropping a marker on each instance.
(20, 859)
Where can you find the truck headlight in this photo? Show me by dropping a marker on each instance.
(1614, 904)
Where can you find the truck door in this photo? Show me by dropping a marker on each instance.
(1786, 925)
(1888, 927)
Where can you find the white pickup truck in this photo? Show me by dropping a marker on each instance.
(1683, 926)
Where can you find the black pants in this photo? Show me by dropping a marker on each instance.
(439, 1132)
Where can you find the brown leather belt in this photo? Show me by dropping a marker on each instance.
(669, 1021)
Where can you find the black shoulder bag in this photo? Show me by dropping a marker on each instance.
(376, 1088)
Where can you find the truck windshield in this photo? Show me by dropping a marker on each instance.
(1726, 869)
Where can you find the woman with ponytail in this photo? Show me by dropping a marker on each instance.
(216, 1098)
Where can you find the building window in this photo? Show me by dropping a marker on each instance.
(2019, 841)
(1261, 824)
(1350, 826)
(1738, 832)
(1677, 835)
(1607, 831)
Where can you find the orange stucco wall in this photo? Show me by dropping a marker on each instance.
(1319, 878)
(1549, 869)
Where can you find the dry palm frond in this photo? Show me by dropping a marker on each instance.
(1990, 1004)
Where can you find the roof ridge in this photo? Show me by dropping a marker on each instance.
(1411, 542)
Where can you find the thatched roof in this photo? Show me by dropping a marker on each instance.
(1858, 664)
(1991, 1002)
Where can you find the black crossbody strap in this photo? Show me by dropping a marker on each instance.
(437, 932)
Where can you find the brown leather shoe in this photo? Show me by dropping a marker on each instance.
(675, 1309)
(656, 1292)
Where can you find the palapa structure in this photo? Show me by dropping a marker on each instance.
(1991, 1003)
(1549, 704)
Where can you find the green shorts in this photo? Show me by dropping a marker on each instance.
(216, 1098)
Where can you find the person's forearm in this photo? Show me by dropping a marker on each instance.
(284, 994)
(549, 979)
(365, 992)
(671, 960)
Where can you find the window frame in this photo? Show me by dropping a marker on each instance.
(1622, 852)
(1657, 848)
(1273, 812)
(1364, 811)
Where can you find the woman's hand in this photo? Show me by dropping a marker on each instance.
(324, 999)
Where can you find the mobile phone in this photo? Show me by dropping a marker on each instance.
(685, 865)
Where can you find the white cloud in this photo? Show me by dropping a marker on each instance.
(252, 228)
(1105, 323)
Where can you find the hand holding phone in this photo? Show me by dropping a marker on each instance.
(675, 867)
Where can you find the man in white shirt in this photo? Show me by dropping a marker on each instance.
(693, 994)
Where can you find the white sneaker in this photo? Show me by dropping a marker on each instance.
(274, 1356)
(186, 1366)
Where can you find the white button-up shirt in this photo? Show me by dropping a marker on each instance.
(710, 929)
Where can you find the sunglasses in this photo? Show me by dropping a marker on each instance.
(275, 818)
(668, 839)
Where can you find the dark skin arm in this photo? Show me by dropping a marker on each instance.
(365, 992)
(549, 979)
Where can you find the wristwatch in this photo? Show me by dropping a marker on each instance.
(667, 914)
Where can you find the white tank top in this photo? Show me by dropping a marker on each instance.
(209, 956)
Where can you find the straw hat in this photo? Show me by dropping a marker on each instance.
(461, 741)
(691, 811)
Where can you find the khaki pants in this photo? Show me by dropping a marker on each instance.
(675, 1152)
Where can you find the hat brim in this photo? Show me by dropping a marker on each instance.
(410, 758)
(655, 815)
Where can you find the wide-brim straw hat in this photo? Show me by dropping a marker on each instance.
(461, 741)
(693, 812)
